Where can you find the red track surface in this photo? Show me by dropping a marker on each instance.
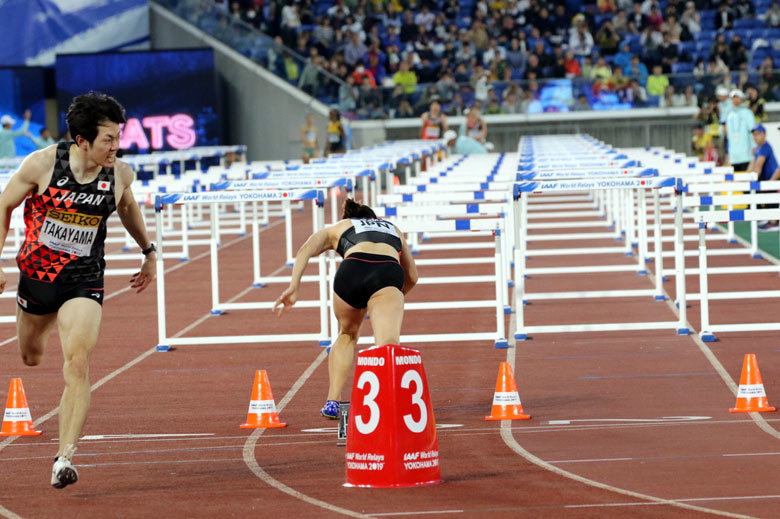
(602, 383)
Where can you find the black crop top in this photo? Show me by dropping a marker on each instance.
(366, 229)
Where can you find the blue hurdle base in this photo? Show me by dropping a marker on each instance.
(325, 342)
(707, 336)
(521, 337)
(258, 285)
(641, 272)
(659, 298)
(683, 331)
(664, 279)
(241, 234)
(510, 284)
(415, 252)
(182, 260)
(126, 249)
(163, 347)
(732, 241)
(424, 239)
(629, 253)
(507, 310)
(216, 312)
(757, 256)
(288, 264)
(648, 260)
(501, 344)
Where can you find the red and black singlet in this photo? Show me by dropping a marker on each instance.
(66, 226)
(433, 127)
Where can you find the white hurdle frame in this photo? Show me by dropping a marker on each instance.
(707, 330)
(520, 195)
(237, 197)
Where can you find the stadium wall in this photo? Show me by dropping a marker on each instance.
(259, 109)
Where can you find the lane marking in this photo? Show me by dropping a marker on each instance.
(511, 442)
(662, 419)
(427, 512)
(138, 436)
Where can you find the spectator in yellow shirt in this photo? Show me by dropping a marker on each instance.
(405, 78)
(657, 82)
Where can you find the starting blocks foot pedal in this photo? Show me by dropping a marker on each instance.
(343, 420)
(391, 432)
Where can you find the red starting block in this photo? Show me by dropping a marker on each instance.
(391, 437)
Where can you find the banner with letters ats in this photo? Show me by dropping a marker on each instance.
(38, 30)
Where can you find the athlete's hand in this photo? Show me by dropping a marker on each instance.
(2, 281)
(286, 300)
(145, 276)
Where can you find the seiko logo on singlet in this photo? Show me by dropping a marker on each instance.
(80, 198)
(73, 233)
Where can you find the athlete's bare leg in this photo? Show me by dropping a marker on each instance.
(78, 321)
(33, 332)
(386, 310)
(343, 350)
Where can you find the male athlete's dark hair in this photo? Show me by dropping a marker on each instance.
(88, 111)
(353, 209)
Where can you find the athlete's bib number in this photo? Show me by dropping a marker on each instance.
(369, 424)
(73, 233)
(367, 225)
(334, 137)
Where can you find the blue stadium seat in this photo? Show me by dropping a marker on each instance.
(682, 68)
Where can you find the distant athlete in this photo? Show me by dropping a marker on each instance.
(377, 271)
(433, 122)
(71, 189)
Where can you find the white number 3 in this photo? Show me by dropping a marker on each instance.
(418, 426)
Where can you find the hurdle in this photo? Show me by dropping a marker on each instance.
(498, 336)
(292, 183)
(235, 197)
(521, 192)
(702, 217)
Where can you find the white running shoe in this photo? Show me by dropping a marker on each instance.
(63, 473)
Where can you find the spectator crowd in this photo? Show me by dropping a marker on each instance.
(390, 58)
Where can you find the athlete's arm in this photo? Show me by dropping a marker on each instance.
(27, 179)
(407, 263)
(130, 215)
(423, 118)
(483, 138)
(315, 245)
(444, 125)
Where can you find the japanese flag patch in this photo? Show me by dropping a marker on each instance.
(104, 185)
(22, 302)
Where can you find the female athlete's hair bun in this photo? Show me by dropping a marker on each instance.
(353, 209)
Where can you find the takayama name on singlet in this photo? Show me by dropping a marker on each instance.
(73, 233)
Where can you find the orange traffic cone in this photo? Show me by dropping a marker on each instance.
(506, 401)
(17, 420)
(262, 409)
(751, 397)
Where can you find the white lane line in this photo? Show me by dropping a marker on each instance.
(511, 442)
(139, 436)
(427, 512)
(138, 359)
(590, 460)
(662, 419)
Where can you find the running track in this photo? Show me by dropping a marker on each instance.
(600, 443)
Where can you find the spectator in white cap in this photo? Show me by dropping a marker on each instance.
(7, 134)
(739, 124)
(464, 145)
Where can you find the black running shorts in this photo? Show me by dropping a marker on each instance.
(39, 298)
(362, 274)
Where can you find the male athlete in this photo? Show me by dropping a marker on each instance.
(71, 188)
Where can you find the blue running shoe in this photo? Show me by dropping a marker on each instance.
(331, 410)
